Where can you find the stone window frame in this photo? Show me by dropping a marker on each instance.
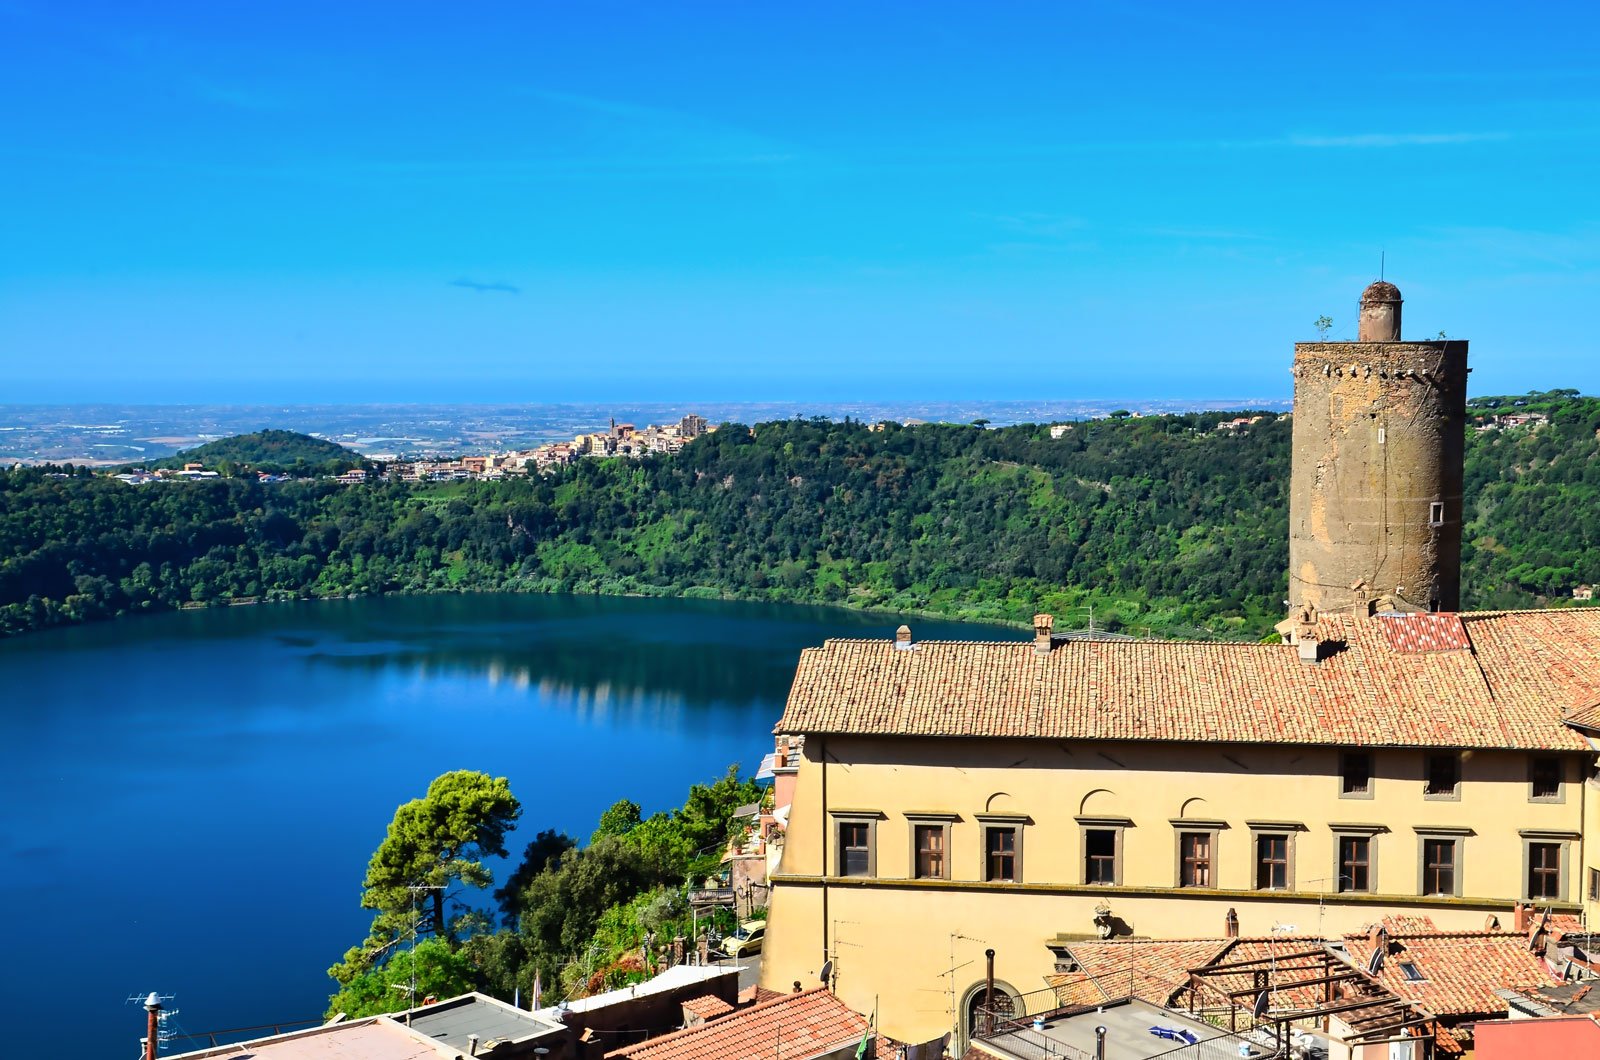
(1370, 833)
(1594, 885)
(1560, 795)
(1213, 831)
(1454, 794)
(1435, 513)
(1288, 830)
(840, 818)
(1372, 777)
(1118, 827)
(1562, 840)
(929, 819)
(1457, 837)
(988, 822)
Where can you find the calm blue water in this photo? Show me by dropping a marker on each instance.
(191, 799)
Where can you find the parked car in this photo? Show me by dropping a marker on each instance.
(746, 939)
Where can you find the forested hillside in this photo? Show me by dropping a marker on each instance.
(278, 452)
(1164, 524)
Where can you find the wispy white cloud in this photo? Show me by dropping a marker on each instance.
(1218, 235)
(1574, 249)
(238, 96)
(486, 288)
(1405, 139)
(1037, 224)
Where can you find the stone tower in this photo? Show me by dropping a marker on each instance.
(1375, 484)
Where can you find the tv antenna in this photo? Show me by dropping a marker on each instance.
(155, 1004)
(417, 890)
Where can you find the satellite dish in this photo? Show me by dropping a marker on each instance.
(826, 973)
(1375, 962)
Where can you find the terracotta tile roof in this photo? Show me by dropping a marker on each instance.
(803, 1024)
(757, 993)
(1506, 686)
(1150, 969)
(1461, 970)
(1398, 924)
(1424, 632)
(707, 1006)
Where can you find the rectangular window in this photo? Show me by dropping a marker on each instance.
(1439, 866)
(930, 844)
(1594, 885)
(1544, 779)
(1355, 774)
(1443, 777)
(855, 848)
(1355, 863)
(1272, 862)
(1412, 973)
(1436, 513)
(1000, 854)
(1544, 870)
(1194, 852)
(1100, 855)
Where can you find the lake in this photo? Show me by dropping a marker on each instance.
(192, 798)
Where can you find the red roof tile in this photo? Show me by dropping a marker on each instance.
(707, 1006)
(1461, 970)
(1149, 969)
(801, 1024)
(1507, 686)
(1424, 632)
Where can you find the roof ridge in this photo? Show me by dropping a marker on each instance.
(719, 1025)
(1147, 942)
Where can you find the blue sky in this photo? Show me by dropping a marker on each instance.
(548, 202)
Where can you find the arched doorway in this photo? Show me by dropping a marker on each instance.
(977, 1008)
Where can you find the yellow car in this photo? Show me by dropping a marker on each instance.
(746, 939)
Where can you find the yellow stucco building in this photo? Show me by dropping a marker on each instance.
(957, 796)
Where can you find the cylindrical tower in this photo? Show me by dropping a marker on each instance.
(1375, 484)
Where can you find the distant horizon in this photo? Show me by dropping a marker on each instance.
(687, 404)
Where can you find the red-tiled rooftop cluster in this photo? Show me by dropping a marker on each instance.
(1460, 970)
(1475, 680)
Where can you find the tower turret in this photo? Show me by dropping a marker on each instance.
(1380, 313)
(1375, 485)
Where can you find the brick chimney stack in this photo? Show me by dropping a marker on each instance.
(1042, 624)
(152, 1038)
(902, 638)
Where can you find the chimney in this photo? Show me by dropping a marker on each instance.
(1042, 625)
(1305, 633)
(1230, 924)
(902, 638)
(472, 1045)
(988, 995)
(1521, 917)
(152, 1007)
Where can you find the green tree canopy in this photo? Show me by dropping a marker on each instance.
(439, 970)
(619, 819)
(433, 844)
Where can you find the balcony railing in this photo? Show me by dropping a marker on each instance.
(1012, 1029)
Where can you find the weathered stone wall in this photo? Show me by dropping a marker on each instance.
(1379, 430)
